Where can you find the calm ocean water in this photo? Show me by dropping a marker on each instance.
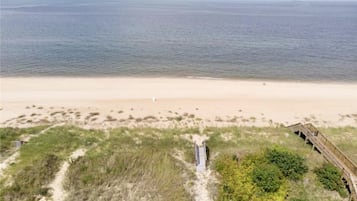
(225, 39)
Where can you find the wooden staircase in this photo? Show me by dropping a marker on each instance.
(332, 153)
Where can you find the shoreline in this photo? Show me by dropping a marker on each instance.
(175, 102)
(188, 77)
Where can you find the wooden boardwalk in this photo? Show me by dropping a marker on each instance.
(332, 153)
(201, 157)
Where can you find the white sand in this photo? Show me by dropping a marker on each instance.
(253, 102)
(201, 185)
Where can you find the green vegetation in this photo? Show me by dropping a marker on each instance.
(151, 164)
(149, 174)
(245, 180)
(291, 165)
(259, 176)
(134, 164)
(241, 141)
(31, 180)
(267, 177)
(8, 135)
(40, 159)
(344, 138)
(331, 178)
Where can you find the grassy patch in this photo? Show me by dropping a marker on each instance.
(130, 171)
(137, 163)
(9, 135)
(58, 143)
(30, 182)
(344, 138)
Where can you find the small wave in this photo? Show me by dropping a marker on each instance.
(204, 78)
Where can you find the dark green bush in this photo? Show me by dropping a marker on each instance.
(249, 179)
(290, 164)
(330, 177)
(267, 177)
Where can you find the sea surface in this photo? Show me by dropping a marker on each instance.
(282, 40)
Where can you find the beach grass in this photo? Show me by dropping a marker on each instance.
(8, 135)
(344, 138)
(140, 163)
(136, 164)
(40, 158)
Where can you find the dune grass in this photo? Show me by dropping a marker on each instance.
(135, 164)
(138, 163)
(146, 174)
(9, 135)
(344, 138)
(30, 182)
(40, 159)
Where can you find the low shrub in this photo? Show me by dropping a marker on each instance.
(331, 178)
(267, 177)
(249, 179)
(290, 164)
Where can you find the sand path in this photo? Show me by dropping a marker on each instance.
(11, 159)
(199, 191)
(58, 193)
(201, 185)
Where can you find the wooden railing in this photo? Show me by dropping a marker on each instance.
(331, 152)
(335, 150)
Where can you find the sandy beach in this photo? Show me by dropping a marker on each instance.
(167, 102)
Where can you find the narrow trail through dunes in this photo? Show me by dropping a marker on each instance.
(58, 193)
(7, 162)
(201, 185)
(204, 178)
(200, 190)
(11, 159)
